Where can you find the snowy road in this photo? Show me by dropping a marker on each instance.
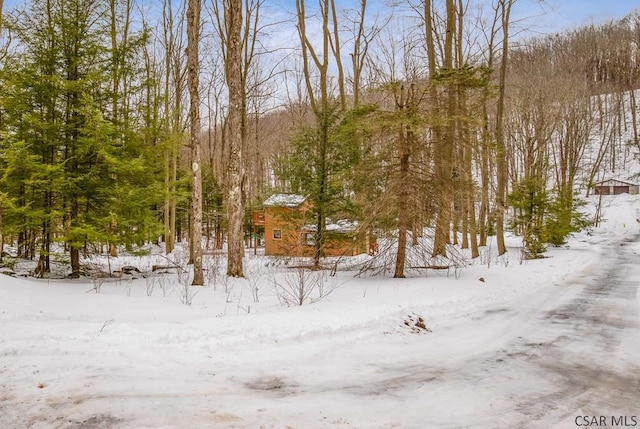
(571, 357)
(567, 357)
(554, 356)
(543, 361)
(559, 359)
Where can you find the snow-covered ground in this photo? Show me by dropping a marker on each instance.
(135, 356)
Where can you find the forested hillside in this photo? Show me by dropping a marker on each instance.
(123, 124)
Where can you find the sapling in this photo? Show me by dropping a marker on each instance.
(151, 281)
(185, 290)
(97, 281)
(298, 288)
(212, 270)
(253, 276)
(127, 286)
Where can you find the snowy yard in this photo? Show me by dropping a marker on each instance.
(135, 356)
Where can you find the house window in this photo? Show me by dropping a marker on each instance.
(277, 234)
(309, 239)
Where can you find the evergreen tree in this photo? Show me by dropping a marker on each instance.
(74, 171)
(324, 172)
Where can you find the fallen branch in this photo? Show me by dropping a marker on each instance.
(431, 267)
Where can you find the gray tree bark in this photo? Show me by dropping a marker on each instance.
(235, 204)
(193, 65)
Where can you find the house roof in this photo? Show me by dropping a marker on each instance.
(614, 182)
(285, 200)
(342, 226)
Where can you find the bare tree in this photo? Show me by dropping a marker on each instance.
(193, 65)
(485, 155)
(363, 35)
(501, 154)
(1, 196)
(173, 112)
(406, 101)
(235, 123)
(444, 152)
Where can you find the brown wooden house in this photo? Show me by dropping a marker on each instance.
(615, 187)
(289, 230)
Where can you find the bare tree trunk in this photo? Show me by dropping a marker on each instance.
(74, 248)
(501, 155)
(485, 165)
(403, 209)
(115, 94)
(234, 77)
(173, 117)
(359, 54)
(168, 232)
(484, 221)
(1, 236)
(1, 233)
(634, 116)
(118, 61)
(445, 150)
(75, 262)
(470, 192)
(335, 48)
(193, 65)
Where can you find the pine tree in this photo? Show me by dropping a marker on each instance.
(327, 109)
(75, 171)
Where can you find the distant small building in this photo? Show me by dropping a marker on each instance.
(284, 217)
(615, 187)
(289, 230)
